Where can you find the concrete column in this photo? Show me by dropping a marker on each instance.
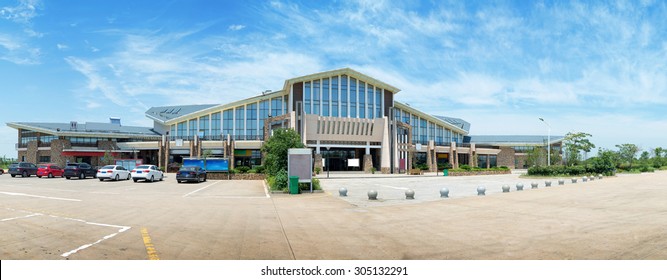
(368, 163)
(318, 162)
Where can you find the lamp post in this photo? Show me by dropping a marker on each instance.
(328, 156)
(548, 141)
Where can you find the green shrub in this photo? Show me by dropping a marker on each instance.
(252, 171)
(260, 169)
(306, 186)
(279, 181)
(646, 168)
(465, 167)
(317, 170)
(242, 169)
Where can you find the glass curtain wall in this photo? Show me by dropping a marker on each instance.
(240, 121)
(325, 97)
(343, 96)
(215, 126)
(263, 114)
(203, 127)
(334, 96)
(251, 122)
(228, 123)
(307, 97)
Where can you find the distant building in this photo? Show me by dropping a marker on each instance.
(348, 118)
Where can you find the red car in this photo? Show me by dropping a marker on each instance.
(49, 170)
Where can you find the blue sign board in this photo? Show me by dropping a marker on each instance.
(211, 164)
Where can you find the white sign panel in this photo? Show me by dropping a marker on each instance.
(353, 162)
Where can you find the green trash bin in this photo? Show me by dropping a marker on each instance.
(445, 172)
(294, 184)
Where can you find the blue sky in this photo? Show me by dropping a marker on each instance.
(599, 68)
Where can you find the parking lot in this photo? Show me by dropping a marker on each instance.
(622, 217)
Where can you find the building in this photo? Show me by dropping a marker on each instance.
(350, 119)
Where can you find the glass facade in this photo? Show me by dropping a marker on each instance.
(325, 97)
(277, 106)
(316, 97)
(240, 127)
(307, 96)
(215, 126)
(228, 122)
(182, 130)
(203, 127)
(263, 114)
(378, 103)
(353, 98)
(192, 129)
(251, 122)
(343, 96)
(362, 100)
(334, 97)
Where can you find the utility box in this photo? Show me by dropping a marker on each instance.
(293, 184)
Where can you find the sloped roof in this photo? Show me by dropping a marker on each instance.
(515, 140)
(460, 123)
(90, 129)
(165, 113)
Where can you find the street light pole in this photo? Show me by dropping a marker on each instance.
(548, 141)
(328, 156)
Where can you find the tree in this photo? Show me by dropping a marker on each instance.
(658, 159)
(627, 153)
(536, 157)
(575, 143)
(108, 158)
(605, 162)
(275, 149)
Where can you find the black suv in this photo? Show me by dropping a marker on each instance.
(25, 169)
(80, 170)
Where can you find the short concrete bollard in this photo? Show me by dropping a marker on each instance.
(481, 190)
(561, 182)
(547, 183)
(591, 178)
(574, 180)
(519, 187)
(533, 185)
(372, 195)
(599, 176)
(584, 179)
(409, 194)
(342, 192)
(444, 192)
(506, 188)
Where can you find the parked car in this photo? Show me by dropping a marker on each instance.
(25, 169)
(191, 174)
(114, 172)
(80, 170)
(148, 173)
(49, 170)
(2, 171)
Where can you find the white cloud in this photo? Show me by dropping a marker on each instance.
(25, 11)
(62, 46)
(236, 27)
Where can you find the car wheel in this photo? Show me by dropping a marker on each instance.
(67, 177)
(117, 177)
(152, 178)
(13, 175)
(161, 177)
(204, 178)
(25, 174)
(50, 175)
(135, 180)
(38, 176)
(128, 176)
(101, 179)
(82, 176)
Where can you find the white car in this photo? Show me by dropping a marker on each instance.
(113, 172)
(149, 173)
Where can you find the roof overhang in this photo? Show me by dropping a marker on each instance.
(429, 117)
(74, 133)
(338, 72)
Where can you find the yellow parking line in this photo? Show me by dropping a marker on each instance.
(150, 248)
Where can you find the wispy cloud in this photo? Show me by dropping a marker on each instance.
(236, 27)
(23, 12)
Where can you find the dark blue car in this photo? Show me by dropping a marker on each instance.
(191, 174)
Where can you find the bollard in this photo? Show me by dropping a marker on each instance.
(591, 178)
(584, 179)
(574, 180)
(519, 187)
(547, 183)
(342, 192)
(600, 176)
(481, 190)
(506, 188)
(444, 192)
(533, 185)
(409, 194)
(372, 195)
(561, 182)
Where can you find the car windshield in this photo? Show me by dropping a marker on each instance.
(143, 167)
(188, 168)
(71, 166)
(108, 167)
(43, 166)
(14, 165)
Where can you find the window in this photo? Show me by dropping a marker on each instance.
(263, 114)
(316, 97)
(378, 103)
(172, 132)
(228, 122)
(397, 114)
(44, 159)
(182, 130)
(439, 140)
(406, 117)
(251, 121)
(362, 100)
(192, 128)
(277, 106)
(422, 131)
(203, 127)
(215, 126)
(325, 97)
(307, 97)
(240, 131)
(353, 98)
(414, 122)
(343, 96)
(369, 95)
(431, 131)
(334, 96)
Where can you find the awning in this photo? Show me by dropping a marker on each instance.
(86, 154)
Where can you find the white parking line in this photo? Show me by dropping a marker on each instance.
(266, 189)
(188, 194)
(39, 196)
(22, 217)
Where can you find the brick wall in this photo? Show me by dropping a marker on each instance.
(506, 157)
